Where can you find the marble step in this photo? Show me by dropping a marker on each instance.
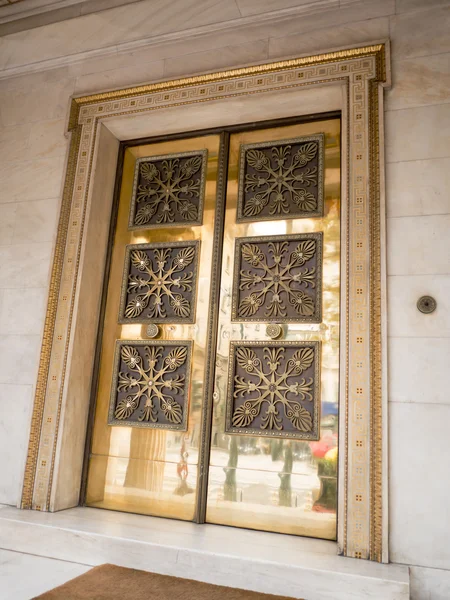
(264, 562)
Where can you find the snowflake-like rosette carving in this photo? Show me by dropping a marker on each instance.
(281, 179)
(150, 384)
(169, 190)
(160, 283)
(274, 389)
(278, 279)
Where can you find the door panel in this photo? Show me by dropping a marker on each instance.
(146, 432)
(277, 365)
(268, 457)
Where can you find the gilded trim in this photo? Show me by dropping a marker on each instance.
(317, 59)
(50, 318)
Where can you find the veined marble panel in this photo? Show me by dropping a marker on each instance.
(421, 33)
(13, 142)
(35, 221)
(420, 486)
(120, 77)
(419, 245)
(25, 265)
(429, 584)
(115, 26)
(418, 187)
(403, 6)
(20, 357)
(23, 312)
(419, 81)
(16, 402)
(25, 105)
(24, 575)
(425, 362)
(8, 217)
(31, 179)
(333, 36)
(418, 133)
(228, 57)
(47, 139)
(404, 320)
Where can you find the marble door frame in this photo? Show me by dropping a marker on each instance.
(349, 80)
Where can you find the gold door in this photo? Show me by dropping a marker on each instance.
(218, 377)
(145, 449)
(273, 462)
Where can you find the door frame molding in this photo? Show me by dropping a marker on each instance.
(96, 124)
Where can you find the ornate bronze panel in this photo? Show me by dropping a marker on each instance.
(278, 278)
(151, 384)
(160, 283)
(279, 180)
(169, 189)
(274, 389)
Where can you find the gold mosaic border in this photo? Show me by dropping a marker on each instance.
(362, 70)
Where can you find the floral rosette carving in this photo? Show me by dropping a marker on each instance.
(151, 384)
(281, 179)
(278, 278)
(159, 284)
(274, 389)
(169, 190)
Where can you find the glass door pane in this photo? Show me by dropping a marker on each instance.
(273, 460)
(145, 447)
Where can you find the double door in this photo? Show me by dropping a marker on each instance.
(217, 387)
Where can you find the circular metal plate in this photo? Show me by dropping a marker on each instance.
(152, 330)
(274, 330)
(426, 304)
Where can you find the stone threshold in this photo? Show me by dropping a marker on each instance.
(254, 560)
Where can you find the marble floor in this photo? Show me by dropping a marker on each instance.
(24, 576)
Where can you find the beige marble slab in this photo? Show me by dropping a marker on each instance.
(430, 584)
(421, 33)
(7, 219)
(23, 313)
(18, 365)
(32, 179)
(320, 40)
(120, 78)
(420, 486)
(255, 7)
(425, 362)
(404, 320)
(118, 25)
(36, 221)
(419, 81)
(215, 60)
(419, 245)
(27, 104)
(418, 133)
(47, 139)
(28, 262)
(16, 402)
(418, 187)
(13, 142)
(24, 575)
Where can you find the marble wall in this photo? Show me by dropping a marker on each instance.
(147, 41)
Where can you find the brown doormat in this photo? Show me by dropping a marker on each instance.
(109, 582)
